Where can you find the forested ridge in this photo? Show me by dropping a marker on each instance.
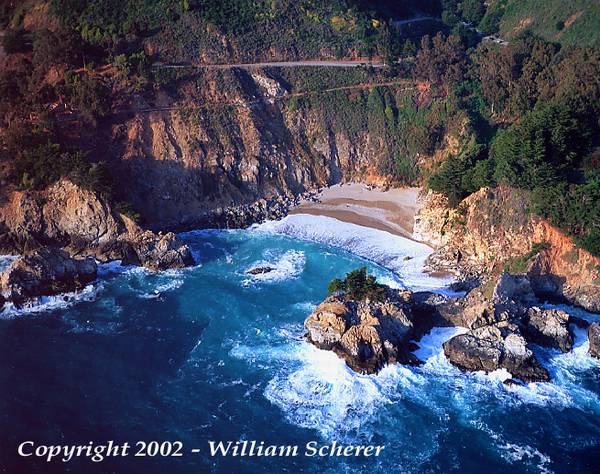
(526, 112)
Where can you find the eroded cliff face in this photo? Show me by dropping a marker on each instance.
(64, 215)
(493, 229)
(84, 224)
(184, 163)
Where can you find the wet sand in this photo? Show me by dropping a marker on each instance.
(392, 211)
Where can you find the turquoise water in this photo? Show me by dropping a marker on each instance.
(211, 353)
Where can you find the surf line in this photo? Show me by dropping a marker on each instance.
(251, 448)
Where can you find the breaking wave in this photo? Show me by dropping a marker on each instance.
(405, 257)
(283, 267)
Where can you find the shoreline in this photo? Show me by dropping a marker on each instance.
(392, 211)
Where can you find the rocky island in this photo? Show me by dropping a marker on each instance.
(370, 325)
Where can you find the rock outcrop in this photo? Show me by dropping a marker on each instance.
(594, 338)
(493, 229)
(84, 224)
(366, 334)
(64, 215)
(48, 271)
(260, 270)
(501, 319)
(548, 327)
(156, 252)
(493, 347)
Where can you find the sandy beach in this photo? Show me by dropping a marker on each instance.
(392, 211)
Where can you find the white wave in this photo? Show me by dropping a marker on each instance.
(514, 453)
(169, 285)
(430, 349)
(316, 389)
(403, 256)
(50, 303)
(326, 395)
(578, 359)
(306, 307)
(289, 265)
(115, 267)
(562, 391)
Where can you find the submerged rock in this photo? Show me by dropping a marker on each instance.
(260, 270)
(594, 338)
(366, 334)
(48, 271)
(548, 327)
(494, 347)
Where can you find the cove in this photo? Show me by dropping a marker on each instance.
(213, 353)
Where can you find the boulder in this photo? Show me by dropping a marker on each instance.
(362, 349)
(432, 309)
(493, 347)
(48, 271)
(156, 252)
(480, 314)
(260, 270)
(328, 323)
(594, 338)
(495, 301)
(366, 334)
(548, 327)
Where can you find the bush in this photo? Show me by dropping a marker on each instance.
(127, 209)
(519, 264)
(358, 285)
(42, 165)
(90, 96)
(461, 175)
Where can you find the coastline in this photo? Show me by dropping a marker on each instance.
(392, 210)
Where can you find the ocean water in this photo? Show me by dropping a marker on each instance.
(212, 353)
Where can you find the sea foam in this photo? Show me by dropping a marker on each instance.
(404, 257)
(51, 303)
(288, 265)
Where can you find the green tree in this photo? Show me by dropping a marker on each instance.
(540, 149)
(358, 285)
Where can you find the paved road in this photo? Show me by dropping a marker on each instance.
(415, 20)
(315, 63)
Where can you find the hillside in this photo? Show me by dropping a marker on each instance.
(146, 103)
(576, 22)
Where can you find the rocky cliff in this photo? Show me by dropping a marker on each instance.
(493, 229)
(84, 224)
(221, 150)
(64, 215)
